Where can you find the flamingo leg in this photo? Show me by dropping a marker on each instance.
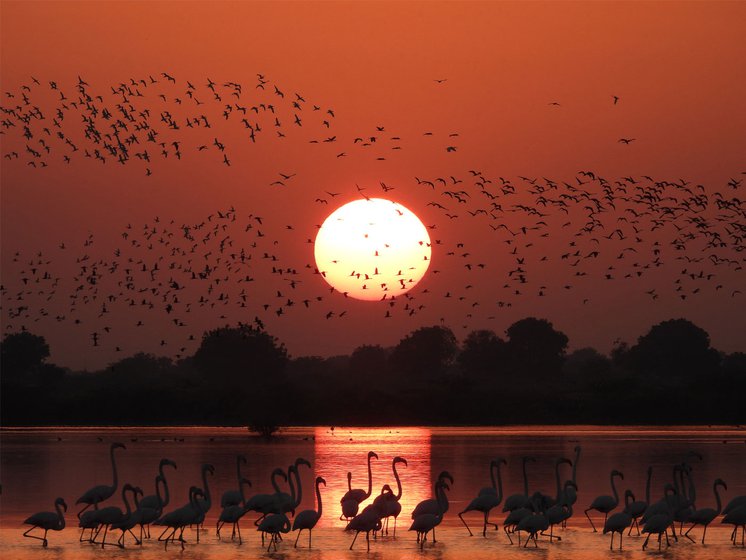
(43, 539)
(704, 533)
(460, 516)
(353, 540)
(590, 520)
(505, 528)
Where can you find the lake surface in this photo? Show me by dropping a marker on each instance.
(38, 465)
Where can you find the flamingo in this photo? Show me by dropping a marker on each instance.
(296, 495)
(658, 523)
(433, 505)
(352, 499)
(267, 503)
(368, 520)
(605, 504)
(147, 515)
(427, 521)
(636, 508)
(234, 497)
(735, 503)
(392, 504)
(490, 489)
(47, 520)
(571, 492)
(97, 494)
(178, 519)
(112, 515)
(205, 503)
(484, 503)
(308, 518)
(533, 523)
(517, 501)
(514, 518)
(232, 514)
(155, 503)
(129, 521)
(705, 516)
(559, 512)
(619, 521)
(274, 524)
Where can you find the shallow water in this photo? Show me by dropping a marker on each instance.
(39, 465)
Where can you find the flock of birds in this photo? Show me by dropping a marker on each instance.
(530, 514)
(553, 237)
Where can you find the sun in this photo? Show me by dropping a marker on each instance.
(372, 249)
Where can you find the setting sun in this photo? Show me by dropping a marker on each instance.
(372, 249)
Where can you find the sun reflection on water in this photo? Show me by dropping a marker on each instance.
(346, 449)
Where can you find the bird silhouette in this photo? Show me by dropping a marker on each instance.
(47, 520)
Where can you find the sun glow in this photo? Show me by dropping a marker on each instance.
(372, 249)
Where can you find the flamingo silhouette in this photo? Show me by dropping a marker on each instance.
(658, 523)
(112, 515)
(486, 502)
(426, 522)
(234, 497)
(636, 508)
(273, 525)
(433, 505)
(205, 503)
(233, 513)
(97, 494)
(131, 519)
(737, 518)
(705, 516)
(155, 502)
(267, 503)
(47, 520)
(391, 503)
(605, 504)
(178, 519)
(619, 521)
(352, 499)
(308, 518)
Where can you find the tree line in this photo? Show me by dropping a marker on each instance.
(243, 376)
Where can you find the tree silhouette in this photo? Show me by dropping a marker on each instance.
(22, 352)
(535, 346)
(426, 353)
(245, 367)
(482, 353)
(672, 349)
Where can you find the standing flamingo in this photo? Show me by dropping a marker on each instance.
(97, 494)
(109, 516)
(205, 503)
(232, 514)
(658, 523)
(392, 504)
(619, 521)
(605, 504)
(434, 505)
(178, 519)
(267, 503)
(47, 520)
(308, 518)
(273, 525)
(737, 518)
(368, 520)
(486, 502)
(705, 516)
(352, 499)
(636, 508)
(129, 521)
(234, 497)
(427, 521)
(155, 502)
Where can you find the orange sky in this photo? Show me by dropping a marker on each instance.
(676, 68)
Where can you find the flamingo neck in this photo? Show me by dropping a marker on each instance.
(557, 480)
(297, 497)
(499, 484)
(370, 479)
(717, 499)
(318, 498)
(398, 483)
(275, 474)
(126, 501)
(114, 469)
(167, 496)
(613, 489)
(207, 498)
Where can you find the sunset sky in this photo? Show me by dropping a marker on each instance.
(506, 102)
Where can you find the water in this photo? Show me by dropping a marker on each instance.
(39, 465)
